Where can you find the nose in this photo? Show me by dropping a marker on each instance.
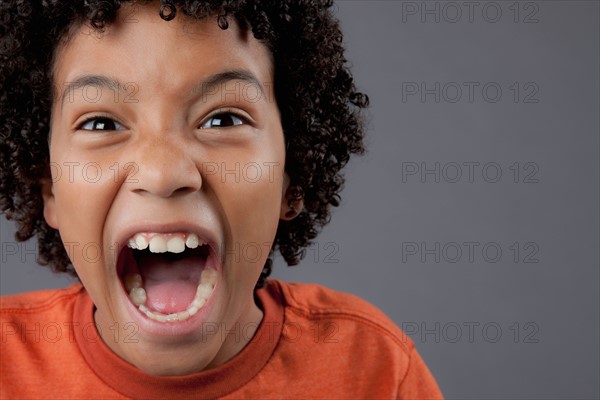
(164, 168)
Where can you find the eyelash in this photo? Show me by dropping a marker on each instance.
(97, 118)
(241, 120)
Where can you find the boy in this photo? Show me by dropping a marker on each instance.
(148, 146)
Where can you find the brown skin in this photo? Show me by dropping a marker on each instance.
(161, 134)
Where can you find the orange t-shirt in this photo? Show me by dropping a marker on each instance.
(313, 342)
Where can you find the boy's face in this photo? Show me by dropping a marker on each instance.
(184, 144)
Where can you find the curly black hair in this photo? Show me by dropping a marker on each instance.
(319, 104)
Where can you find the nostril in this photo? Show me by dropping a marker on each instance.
(184, 190)
(165, 191)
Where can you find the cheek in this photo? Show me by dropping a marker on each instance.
(253, 219)
(83, 192)
(258, 206)
(251, 201)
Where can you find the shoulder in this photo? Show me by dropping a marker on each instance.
(335, 330)
(43, 303)
(38, 343)
(315, 302)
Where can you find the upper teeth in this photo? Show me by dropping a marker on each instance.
(161, 243)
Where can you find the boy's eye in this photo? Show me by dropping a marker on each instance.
(222, 120)
(101, 124)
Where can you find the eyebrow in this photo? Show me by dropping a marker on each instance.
(205, 88)
(98, 81)
(209, 86)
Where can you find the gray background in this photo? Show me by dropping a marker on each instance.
(521, 325)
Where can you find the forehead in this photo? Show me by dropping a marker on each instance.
(139, 46)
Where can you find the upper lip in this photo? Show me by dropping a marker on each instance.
(203, 233)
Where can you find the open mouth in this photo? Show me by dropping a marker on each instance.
(168, 276)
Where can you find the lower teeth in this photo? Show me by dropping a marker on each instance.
(137, 294)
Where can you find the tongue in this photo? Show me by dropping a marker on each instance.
(170, 284)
